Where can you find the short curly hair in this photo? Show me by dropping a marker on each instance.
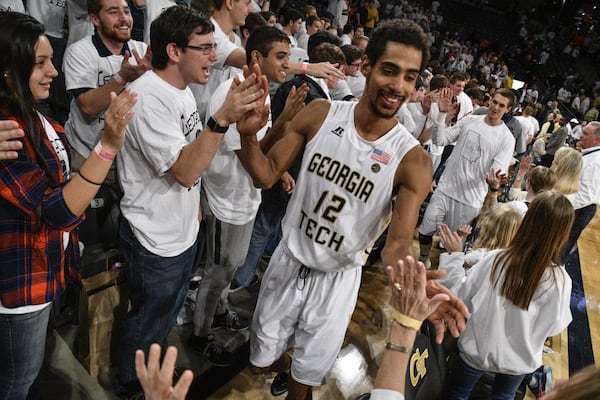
(399, 31)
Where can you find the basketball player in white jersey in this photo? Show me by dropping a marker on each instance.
(356, 158)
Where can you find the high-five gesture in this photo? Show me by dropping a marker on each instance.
(408, 282)
(157, 379)
(257, 116)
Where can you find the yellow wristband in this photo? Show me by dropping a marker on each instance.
(406, 321)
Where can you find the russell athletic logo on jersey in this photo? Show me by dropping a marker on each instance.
(339, 131)
(342, 175)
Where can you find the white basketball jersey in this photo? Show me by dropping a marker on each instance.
(343, 196)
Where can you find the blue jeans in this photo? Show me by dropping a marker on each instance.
(463, 379)
(265, 224)
(22, 344)
(157, 289)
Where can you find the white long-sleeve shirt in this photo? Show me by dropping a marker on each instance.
(500, 337)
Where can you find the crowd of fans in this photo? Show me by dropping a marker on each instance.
(199, 125)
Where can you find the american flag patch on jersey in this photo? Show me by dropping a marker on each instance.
(381, 156)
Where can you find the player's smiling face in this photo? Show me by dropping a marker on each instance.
(114, 21)
(392, 79)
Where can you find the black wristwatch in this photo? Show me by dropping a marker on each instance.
(215, 127)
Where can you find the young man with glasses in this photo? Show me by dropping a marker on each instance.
(160, 168)
(354, 78)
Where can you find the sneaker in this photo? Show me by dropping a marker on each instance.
(217, 355)
(231, 321)
(214, 352)
(280, 384)
(234, 287)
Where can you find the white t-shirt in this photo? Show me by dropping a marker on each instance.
(520, 206)
(12, 5)
(302, 41)
(162, 213)
(49, 13)
(479, 147)
(85, 67)
(341, 90)
(229, 189)
(80, 25)
(405, 117)
(411, 116)
(434, 115)
(500, 337)
(466, 106)
(356, 84)
(535, 122)
(152, 10)
(341, 15)
(59, 149)
(589, 183)
(298, 54)
(527, 127)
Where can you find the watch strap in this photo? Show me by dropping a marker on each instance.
(214, 125)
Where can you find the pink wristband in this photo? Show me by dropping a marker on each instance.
(304, 68)
(103, 153)
(119, 79)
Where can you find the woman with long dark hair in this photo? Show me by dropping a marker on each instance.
(41, 205)
(518, 297)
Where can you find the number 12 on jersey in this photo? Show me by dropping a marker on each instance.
(334, 207)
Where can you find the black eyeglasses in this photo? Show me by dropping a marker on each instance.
(204, 49)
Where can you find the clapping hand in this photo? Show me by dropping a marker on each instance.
(452, 241)
(451, 314)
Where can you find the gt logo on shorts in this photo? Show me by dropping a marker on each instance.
(418, 369)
